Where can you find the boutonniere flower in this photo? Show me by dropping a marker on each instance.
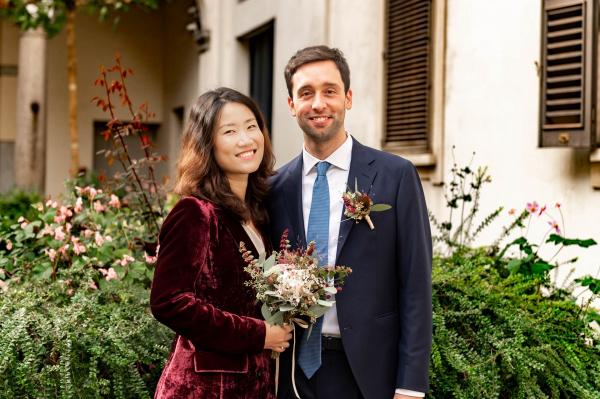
(358, 205)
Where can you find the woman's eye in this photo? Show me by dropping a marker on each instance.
(230, 131)
(252, 126)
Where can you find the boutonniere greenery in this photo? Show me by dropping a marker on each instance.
(358, 205)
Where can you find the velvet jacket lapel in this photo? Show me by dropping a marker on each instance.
(362, 173)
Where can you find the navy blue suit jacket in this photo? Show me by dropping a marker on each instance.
(384, 309)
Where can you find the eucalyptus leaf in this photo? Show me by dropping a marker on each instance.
(330, 290)
(265, 311)
(276, 319)
(325, 303)
(380, 207)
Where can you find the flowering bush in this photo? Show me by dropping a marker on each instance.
(89, 239)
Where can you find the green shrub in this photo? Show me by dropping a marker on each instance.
(497, 337)
(58, 340)
(15, 204)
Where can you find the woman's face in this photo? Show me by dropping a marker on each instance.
(239, 142)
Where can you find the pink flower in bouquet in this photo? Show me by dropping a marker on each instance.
(114, 201)
(46, 231)
(51, 204)
(3, 286)
(92, 285)
(68, 227)
(87, 233)
(9, 245)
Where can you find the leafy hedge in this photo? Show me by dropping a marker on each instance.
(497, 336)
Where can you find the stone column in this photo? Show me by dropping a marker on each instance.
(30, 141)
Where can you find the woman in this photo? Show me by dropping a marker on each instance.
(222, 348)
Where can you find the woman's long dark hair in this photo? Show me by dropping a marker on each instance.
(198, 173)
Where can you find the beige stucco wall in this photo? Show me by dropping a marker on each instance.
(489, 96)
(492, 97)
(9, 48)
(138, 38)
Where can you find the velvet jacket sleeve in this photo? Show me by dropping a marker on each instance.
(185, 245)
(414, 272)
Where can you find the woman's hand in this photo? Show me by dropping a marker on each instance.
(277, 337)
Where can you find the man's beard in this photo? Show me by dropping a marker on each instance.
(321, 136)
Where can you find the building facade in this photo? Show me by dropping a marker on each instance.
(432, 80)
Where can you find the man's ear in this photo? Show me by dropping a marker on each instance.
(292, 106)
(348, 100)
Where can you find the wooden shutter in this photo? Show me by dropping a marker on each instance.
(567, 79)
(408, 75)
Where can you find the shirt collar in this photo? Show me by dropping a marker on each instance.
(340, 158)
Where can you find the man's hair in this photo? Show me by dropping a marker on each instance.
(314, 54)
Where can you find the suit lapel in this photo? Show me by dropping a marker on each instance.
(363, 173)
(293, 193)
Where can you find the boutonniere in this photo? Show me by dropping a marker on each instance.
(358, 205)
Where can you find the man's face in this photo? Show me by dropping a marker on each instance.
(318, 101)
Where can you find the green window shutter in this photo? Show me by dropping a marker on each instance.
(408, 75)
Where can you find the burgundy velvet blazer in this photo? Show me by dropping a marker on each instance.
(198, 291)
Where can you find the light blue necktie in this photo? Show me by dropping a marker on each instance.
(309, 356)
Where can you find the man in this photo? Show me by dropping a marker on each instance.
(375, 342)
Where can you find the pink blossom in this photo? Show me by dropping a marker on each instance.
(3, 285)
(59, 234)
(51, 253)
(99, 239)
(111, 275)
(24, 225)
(78, 247)
(59, 218)
(92, 285)
(127, 259)
(78, 205)
(114, 201)
(68, 226)
(542, 210)
(92, 192)
(51, 204)
(554, 226)
(533, 207)
(63, 250)
(98, 207)
(87, 233)
(46, 231)
(70, 291)
(21, 219)
(149, 259)
(9, 244)
(108, 238)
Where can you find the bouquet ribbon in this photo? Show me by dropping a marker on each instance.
(302, 324)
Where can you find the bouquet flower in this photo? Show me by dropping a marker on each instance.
(291, 285)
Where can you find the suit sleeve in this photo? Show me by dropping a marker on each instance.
(184, 245)
(414, 273)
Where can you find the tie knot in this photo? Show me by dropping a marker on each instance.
(322, 168)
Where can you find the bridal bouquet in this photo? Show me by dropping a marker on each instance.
(291, 285)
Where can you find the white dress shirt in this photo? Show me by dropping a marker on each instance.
(337, 179)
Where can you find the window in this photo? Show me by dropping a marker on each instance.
(408, 75)
(568, 101)
(260, 44)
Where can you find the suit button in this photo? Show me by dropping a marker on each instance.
(259, 373)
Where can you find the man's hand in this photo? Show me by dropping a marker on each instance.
(398, 396)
